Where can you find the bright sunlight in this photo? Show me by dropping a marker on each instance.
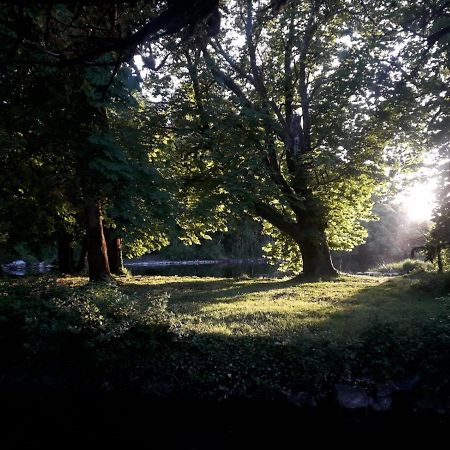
(418, 200)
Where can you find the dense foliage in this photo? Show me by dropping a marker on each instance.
(296, 118)
(71, 129)
(293, 113)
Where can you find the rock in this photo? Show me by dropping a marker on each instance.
(382, 404)
(303, 400)
(352, 397)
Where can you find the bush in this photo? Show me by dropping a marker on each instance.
(436, 284)
(88, 328)
(406, 266)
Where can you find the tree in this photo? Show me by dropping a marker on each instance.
(81, 32)
(431, 76)
(84, 50)
(287, 123)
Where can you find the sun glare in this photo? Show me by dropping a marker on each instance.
(418, 201)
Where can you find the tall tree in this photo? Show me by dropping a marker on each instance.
(287, 125)
(429, 71)
(85, 46)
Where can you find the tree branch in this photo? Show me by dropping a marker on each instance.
(233, 64)
(227, 81)
(274, 217)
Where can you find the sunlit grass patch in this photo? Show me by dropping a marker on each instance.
(339, 309)
(205, 333)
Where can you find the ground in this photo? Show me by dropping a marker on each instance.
(139, 352)
(221, 337)
(342, 310)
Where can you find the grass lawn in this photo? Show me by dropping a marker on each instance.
(339, 310)
(221, 337)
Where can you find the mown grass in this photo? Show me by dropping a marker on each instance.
(221, 337)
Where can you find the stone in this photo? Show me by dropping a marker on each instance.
(352, 397)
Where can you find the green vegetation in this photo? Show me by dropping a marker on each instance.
(129, 125)
(406, 266)
(220, 337)
(222, 129)
(243, 241)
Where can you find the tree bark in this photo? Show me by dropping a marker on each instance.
(114, 248)
(65, 254)
(96, 244)
(317, 263)
(310, 237)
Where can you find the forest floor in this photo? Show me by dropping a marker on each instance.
(215, 339)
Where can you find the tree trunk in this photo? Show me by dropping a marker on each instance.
(65, 254)
(96, 244)
(115, 258)
(309, 234)
(82, 258)
(315, 253)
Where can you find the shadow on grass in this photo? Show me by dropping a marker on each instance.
(279, 329)
(318, 333)
(216, 291)
(342, 298)
(144, 364)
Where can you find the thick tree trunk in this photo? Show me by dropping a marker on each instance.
(96, 244)
(65, 254)
(316, 258)
(309, 234)
(115, 258)
(317, 263)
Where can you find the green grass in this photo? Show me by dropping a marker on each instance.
(221, 337)
(341, 310)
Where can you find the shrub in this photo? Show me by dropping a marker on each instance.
(406, 266)
(436, 284)
(90, 326)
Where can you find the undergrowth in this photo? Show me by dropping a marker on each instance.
(228, 337)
